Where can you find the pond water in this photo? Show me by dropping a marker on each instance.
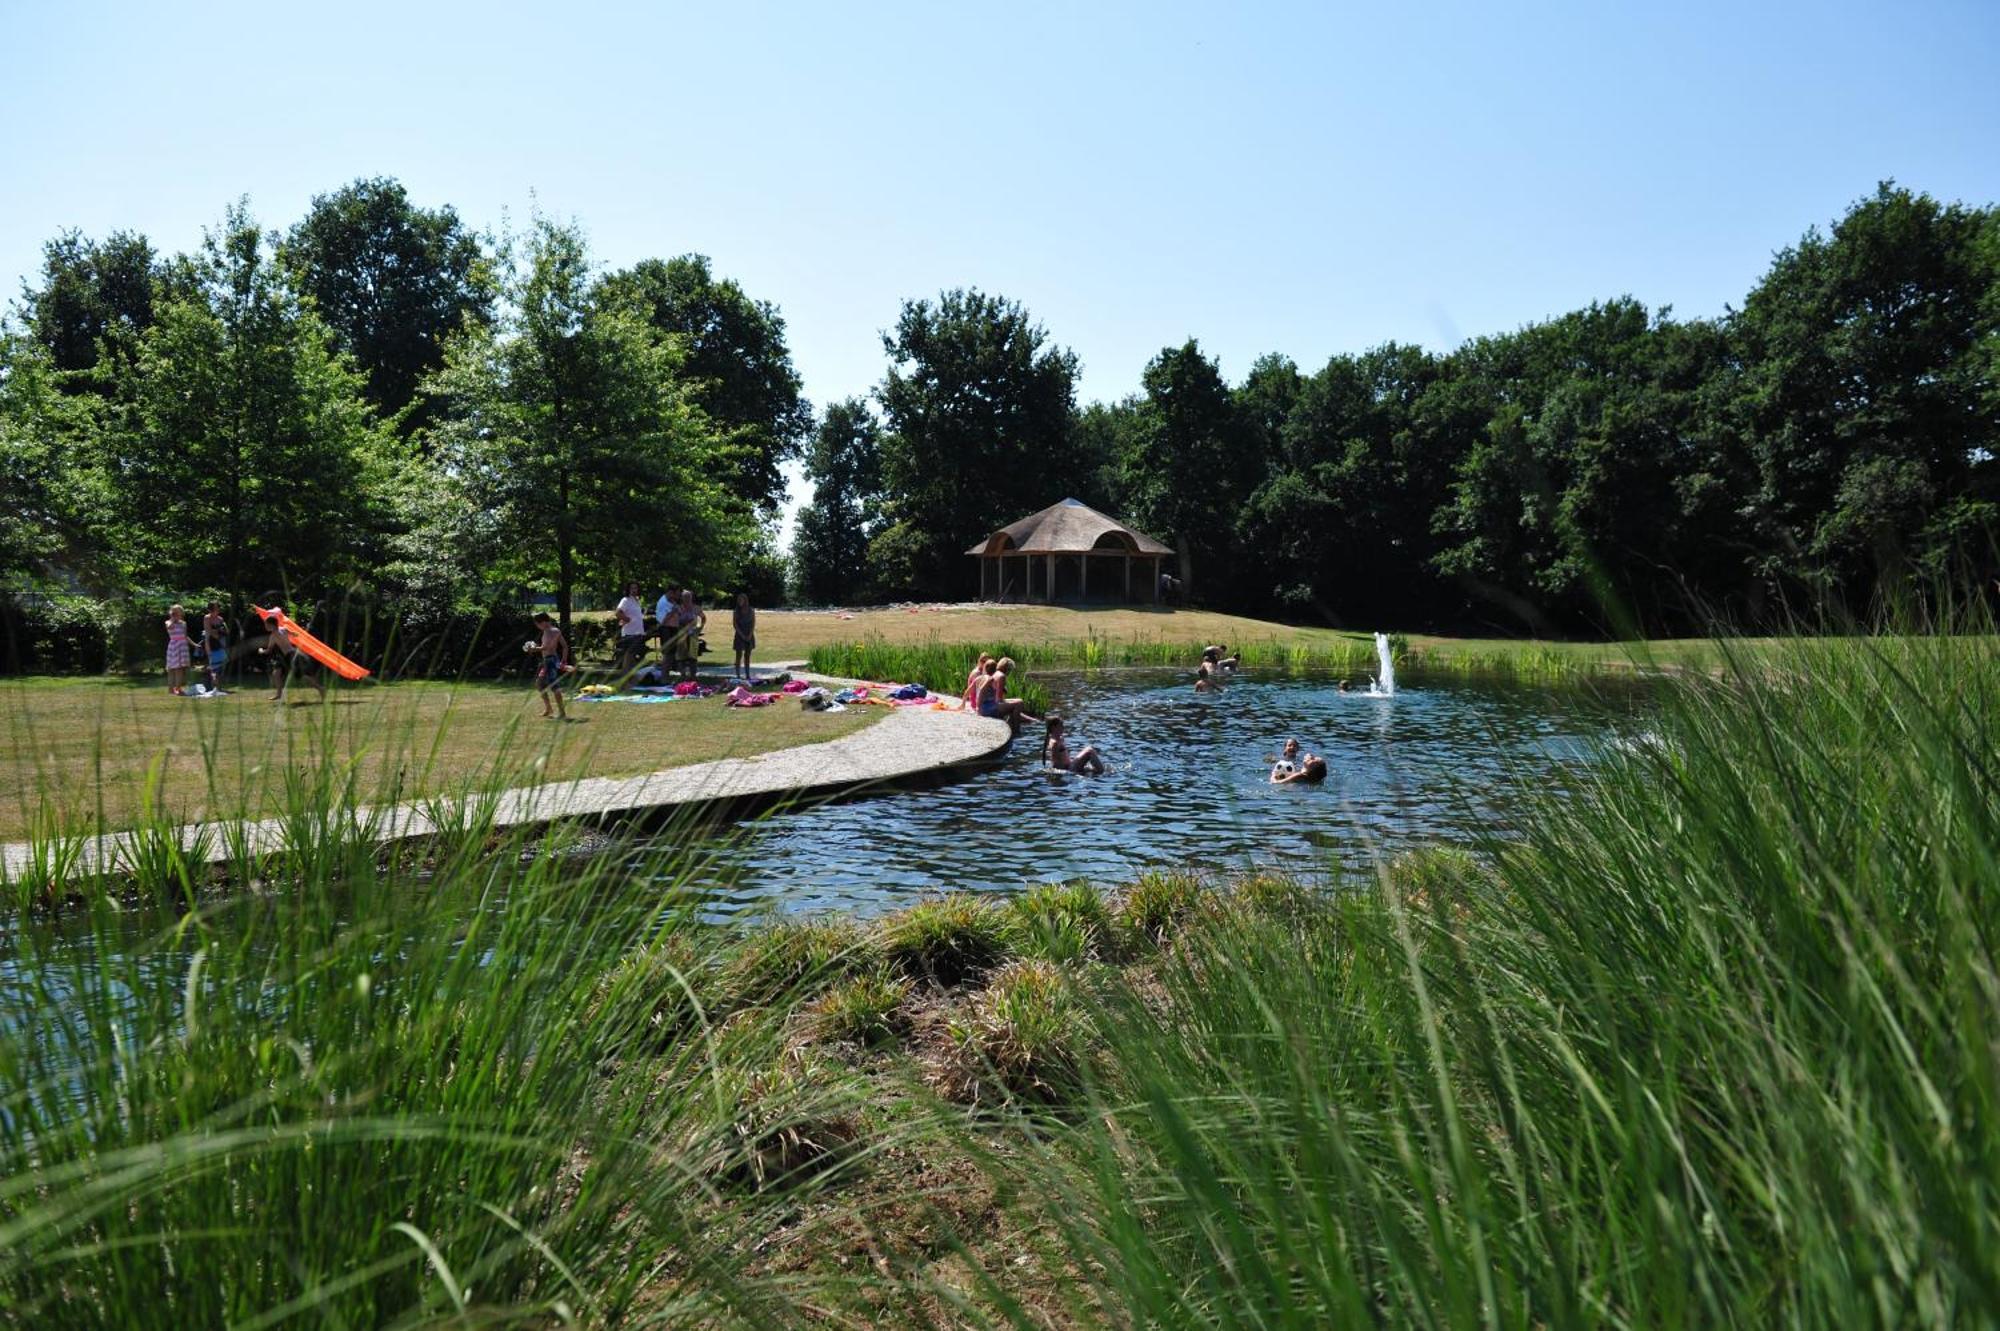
(1188, 785)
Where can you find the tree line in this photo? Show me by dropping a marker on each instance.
(381, 407)
(1829, 443)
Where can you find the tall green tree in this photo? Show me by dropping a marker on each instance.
(242, 461)
(1866, 394)
(980, 412)
(1184, 474)
(830, 544)
(52, 529)
(1338, 524)
(736, 360)
(392, 280)
(569, 425)
(92, 293)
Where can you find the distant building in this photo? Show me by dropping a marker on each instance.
(1069, 552)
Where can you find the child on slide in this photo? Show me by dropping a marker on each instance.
(554, 651)
(1055, 752)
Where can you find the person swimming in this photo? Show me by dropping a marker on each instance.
(1288, 762)
(1056, 753)
(1311, 769)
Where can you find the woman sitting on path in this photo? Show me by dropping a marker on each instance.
(1055, 752)
(994, 702)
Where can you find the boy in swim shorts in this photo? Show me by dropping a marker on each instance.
(554, 651)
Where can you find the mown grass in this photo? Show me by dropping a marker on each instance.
(98, 754)
(1705, 1039)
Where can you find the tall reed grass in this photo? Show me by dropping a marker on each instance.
(390, 1092)
(1710, 1044)
(949, 661)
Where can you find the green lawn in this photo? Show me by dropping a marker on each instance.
(87, 751)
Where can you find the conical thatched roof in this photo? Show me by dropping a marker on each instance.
(1068, 528)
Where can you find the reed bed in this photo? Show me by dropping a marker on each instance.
(1710, 1044)
(948, 662)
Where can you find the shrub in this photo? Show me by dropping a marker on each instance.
(864, 1010)
(788, 1124)
(1274, 896)
(1155, 905)
(795, 958)
(946, 941)
(1061, 922)
(1023, 1037)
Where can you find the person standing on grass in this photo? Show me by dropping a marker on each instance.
(693, 620)
(285, 657)
(177, 651)
(631, 618)
(215, 644)
(743, 624)
(553, 648)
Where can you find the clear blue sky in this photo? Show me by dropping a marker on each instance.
(1305, 178)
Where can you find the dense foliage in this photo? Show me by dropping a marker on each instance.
(382, 410)
(1826, 446)
(386, 417)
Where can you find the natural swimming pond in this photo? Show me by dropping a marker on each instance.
(1188, 785)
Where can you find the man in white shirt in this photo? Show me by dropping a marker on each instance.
(631, 630)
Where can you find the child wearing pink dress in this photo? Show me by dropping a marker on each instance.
(177, 651)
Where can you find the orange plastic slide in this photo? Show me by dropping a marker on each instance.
(311, 646)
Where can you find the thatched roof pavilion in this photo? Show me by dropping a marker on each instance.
(1065, 536)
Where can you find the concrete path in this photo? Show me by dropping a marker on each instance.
(908, 743)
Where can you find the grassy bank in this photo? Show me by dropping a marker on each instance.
(1062, 637)
(86, 754)
(1706, 1040)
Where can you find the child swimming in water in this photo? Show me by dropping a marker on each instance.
(1288, 762)
(1055, 752)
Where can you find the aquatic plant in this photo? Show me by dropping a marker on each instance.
(796, 958)
(1153, 906)
(1061, 922)
(1023, 1038)
(866, 1009)
(371, 1097)
(946, 940)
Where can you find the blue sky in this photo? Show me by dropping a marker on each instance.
(1304, 178)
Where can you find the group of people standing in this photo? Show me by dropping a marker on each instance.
(678, 621)
(210, 647)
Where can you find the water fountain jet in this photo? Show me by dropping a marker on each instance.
(1383, 685)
